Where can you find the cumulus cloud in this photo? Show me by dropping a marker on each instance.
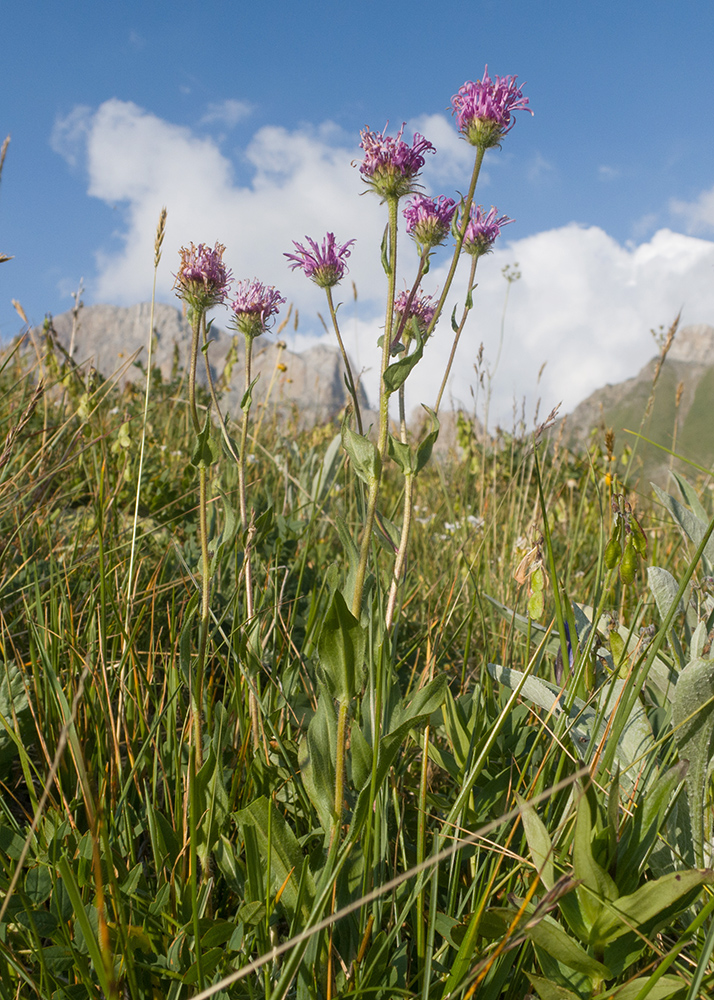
(584, 304)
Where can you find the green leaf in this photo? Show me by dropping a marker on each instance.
(206, 451)
(286, 857)
(550, 936)
(426, 446)
(548, 990)
(38, 884)
(596, 885)
(341, 649)
(363, 454)
(401, 454)
(664, 587)
(247, 398)
(84, 924)
(694, 527)
(397, 373)
(539, 842)
(693, 720)
(360, 757)
(384, 251)
(665, 987)
(651, 899)
(316, 758)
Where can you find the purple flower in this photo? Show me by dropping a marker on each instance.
(203, 279)
(421, 308)
(483, 231)
(390, 165)
(253, 306)
(325, 265)
(484, 109)
(429, 219)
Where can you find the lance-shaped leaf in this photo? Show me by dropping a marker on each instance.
(693, 720)
(646, 903)
(341, 650)
(206, 451)
(316, 757)
(286, 858)
(396, 374)
(363, 455)
(426, 446)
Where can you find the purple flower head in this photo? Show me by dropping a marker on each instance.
(203, 279)
(325, 265)
(253, 306)
(485, 109)
(390, 165)
(421, 308)
(483, 230)
(429, 219)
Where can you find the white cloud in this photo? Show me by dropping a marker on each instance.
(698, 214)
(70, 134)
(228, 113)
(585, 303)
(607, 173)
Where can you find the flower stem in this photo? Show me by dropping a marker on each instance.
(459, 240)
(467, 309)
(345, 359)
(342, 716)
(374, 484)
(247, 562)
(199, 328)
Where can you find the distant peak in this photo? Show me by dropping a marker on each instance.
(694, 344)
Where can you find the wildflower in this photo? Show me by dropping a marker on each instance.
(421, 309)
(324, 265)
(390, 165)
(483, 230)
(253, 306)
(203, 279)
(429, 219)
(485, 109)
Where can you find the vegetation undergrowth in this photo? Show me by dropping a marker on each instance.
(314, 713)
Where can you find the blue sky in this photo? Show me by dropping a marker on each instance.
(244, 119)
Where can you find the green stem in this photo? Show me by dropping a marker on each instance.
(459, 241)
(193, 861)
(342, 717)
(345, 360)
(402, 550)
(374, 483)
(199, 328)
(420, 848)
(464, 316)
(247, 562)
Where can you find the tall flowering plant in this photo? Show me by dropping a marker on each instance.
(348, 734)
(391, 168)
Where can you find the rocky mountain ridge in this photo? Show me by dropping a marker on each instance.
(113, 338)
(682, 413)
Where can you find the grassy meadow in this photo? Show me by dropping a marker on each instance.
(328, 712)
(519, 827)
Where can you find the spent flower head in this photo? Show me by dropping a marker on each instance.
(483, 230)
(324, 265)
(485, 109)
(253, 306)
(421, 308)
(203, 279)
(390, 164)
(429, 219)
